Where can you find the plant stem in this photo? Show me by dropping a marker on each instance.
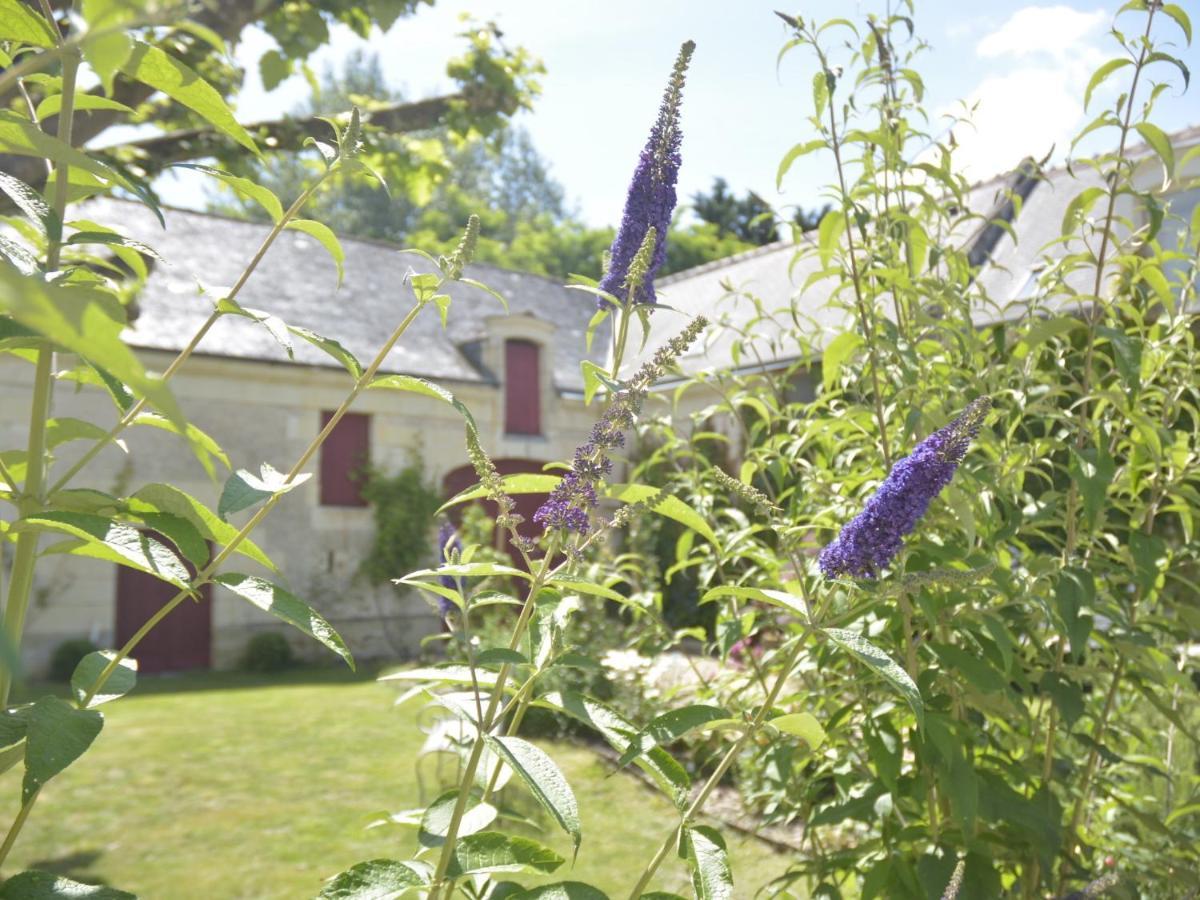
(468, 774)
(131, 415)
(868, 321)
(722, 767)
(32, 494)
(17, 825)
(619, 339)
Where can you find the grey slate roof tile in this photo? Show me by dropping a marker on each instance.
(297, 281)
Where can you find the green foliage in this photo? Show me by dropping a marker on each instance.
(403, 506)
(66, 657)
(268, 651)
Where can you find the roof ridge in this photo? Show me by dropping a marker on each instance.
(349, 238)
(760, 250)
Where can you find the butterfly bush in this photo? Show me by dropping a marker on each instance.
(875, 536)
(572, 501)
(651, 198)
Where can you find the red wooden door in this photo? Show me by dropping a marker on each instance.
(182, 640)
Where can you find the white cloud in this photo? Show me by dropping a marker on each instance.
(1055, 30)
(1021, 113)
(1041, 57)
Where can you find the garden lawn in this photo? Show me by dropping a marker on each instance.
(234, 786)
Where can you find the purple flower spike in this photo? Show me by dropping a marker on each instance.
(875, 536)
(651, 198)
(447, 541)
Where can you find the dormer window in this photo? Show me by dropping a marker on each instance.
(522, 387)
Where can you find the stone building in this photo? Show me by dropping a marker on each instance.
(517, 372)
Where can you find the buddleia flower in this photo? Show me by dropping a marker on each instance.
(651, 198)
(570, 504)
(875, 535)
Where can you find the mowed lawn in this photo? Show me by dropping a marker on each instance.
(235, 786)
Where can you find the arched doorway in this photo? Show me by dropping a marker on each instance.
(464, 477)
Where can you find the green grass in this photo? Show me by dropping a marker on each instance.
(226, 786)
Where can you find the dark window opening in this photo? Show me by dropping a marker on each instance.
(344, 459)
(522, 388)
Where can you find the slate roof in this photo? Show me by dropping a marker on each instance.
(775, 275)
(297, 281)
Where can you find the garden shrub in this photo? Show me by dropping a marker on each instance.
(268, 651)
(66, 657)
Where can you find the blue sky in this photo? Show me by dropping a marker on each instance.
(1026, 65)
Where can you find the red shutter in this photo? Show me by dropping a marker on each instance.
(522, 388)
(344, 456)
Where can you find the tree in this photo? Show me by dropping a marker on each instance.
(142, 54)
(749, 218)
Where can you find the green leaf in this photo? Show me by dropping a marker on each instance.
(442, 675)
(286, 606)
(52, 105)
(118, 684)
(670, 507)
(168, 499)
(1080, 205)
(1181, 19)
(1160, 144)
(821, 85)
(1043, 330)
(20, 23)
(782, 599)
(243, 187)
(58, 734)
(794, 154)
(84, 322)
(670, 726)
(426, 388)
(1102, 73)
(20, 136)
(804, 725)
(36, 885)
(33, 204)
(332, 347)
(66, 429)
(829, 232)
(836, 352)
(1092, 470)
(561, 890)
(543, 778)
(595, 377)
(521, 483)
(105, 51)
(118, 542)
(376, 879)
(243, 489)
(671, 778)
(163, 72)
(711, 875)
(868, 653)
(479, 285)
(203, 446)
(491, 851)
(273, 68)
(326, 238)
(587, 587)
(435, 822)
